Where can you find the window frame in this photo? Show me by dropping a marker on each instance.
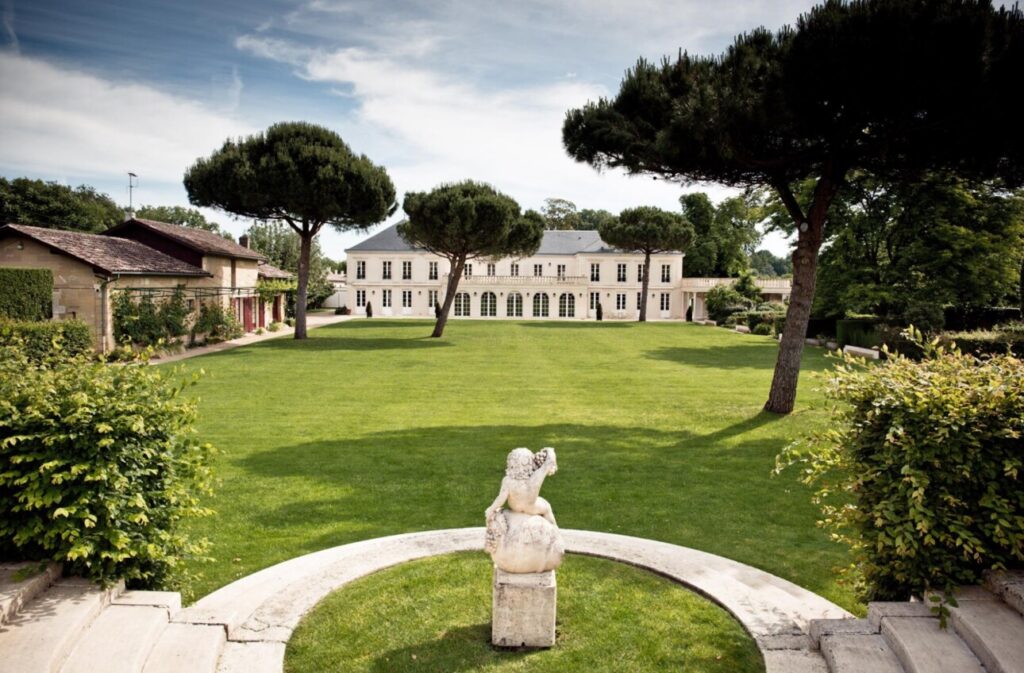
(620, 272)
(385, 270)
(432, 271)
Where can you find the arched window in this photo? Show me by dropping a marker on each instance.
(488, 305)
(462, 305)
(566, 305)
(514, 305)
(540, 305)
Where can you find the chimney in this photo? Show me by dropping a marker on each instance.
(243, 240)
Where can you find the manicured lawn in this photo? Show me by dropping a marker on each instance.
(371, 429)
(612, 618)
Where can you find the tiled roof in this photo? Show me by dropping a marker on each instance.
(106, 253)
(553, 243)
(267, 271)
(205, 242)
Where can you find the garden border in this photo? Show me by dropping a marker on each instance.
(260, 611)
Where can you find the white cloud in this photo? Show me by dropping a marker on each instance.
(443, 129)
(63, 122)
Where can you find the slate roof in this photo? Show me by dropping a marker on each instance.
(553, 243)
(267, 271)
(205, 242)
(106, 253)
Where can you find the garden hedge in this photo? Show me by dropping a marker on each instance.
(920, 471)
(861, 332)
(26, 294)
(99, 465)
(41, 340)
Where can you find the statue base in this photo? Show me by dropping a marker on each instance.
(523, 609)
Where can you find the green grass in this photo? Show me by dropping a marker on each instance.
(369, 428)
(611, 618)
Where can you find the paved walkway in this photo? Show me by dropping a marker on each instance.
(313, 321)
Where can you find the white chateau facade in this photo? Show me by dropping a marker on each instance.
(569, 275)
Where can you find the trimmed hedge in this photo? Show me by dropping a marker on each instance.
(861, 332)
(920, 471)
(979, 317)
(998, 340)
(99, 465)
(26, 294)
(43, 340)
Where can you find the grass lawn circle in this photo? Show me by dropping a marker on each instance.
(434, 615)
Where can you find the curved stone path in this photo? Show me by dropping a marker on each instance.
(261, 611)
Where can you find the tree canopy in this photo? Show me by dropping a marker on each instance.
(895, 87)
(903, 250)
(560, 214)
(186, 217)
(725, 235)
(56, 206)
(464, 221)
(650, 231)
(282, 247)
(298, 173)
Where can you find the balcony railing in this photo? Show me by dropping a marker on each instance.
(529, 281)
(767, 284)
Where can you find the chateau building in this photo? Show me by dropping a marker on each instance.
(566, 279)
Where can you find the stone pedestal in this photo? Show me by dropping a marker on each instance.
(523, 609)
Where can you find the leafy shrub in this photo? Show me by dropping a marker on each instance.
(274, 327)
(1000, 339)
(98, 467)
(290, 322)
(919, 471)
(959, 318)
(341, 310)
(26, 294)
(143, 322)
(762, 328)
(42, 340)
(723, 301)
(217, 323)
(861, 332)
(779, 323)
(747, 287)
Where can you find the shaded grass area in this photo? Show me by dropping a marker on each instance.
(368, 428)
(434, 615)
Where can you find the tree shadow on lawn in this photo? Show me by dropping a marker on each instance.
(707, 491)
(339, 342)
(733, 356)
(577, 325)
(464, 648)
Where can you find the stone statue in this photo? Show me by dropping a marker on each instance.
(524, 538)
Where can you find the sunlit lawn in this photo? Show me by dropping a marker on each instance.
(369, 428)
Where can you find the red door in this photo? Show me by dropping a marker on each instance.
(247, 318)
(263, 314)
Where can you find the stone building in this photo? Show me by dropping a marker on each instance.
(141, 256)
(569, 275)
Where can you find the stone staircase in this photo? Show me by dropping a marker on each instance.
(50, 624)
(984, 634)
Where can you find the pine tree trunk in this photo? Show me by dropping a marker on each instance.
(306, 244)
(453, 285)
(646, 282)
(782, 395)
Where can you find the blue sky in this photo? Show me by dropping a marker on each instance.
(433, 90)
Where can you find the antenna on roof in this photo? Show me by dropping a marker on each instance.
(133, 182)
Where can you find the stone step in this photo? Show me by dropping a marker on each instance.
(993, 630)
(922, 647)
(169, 600)
(1009, 586)
(39, 637)
(118, 641)
(261, 657)
(794, 661)
(21, 582)
(857, 653)
(187, 648)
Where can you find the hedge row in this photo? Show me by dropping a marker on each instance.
(41, 340)
(99, 466)
(26, 294)
(920, 470)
